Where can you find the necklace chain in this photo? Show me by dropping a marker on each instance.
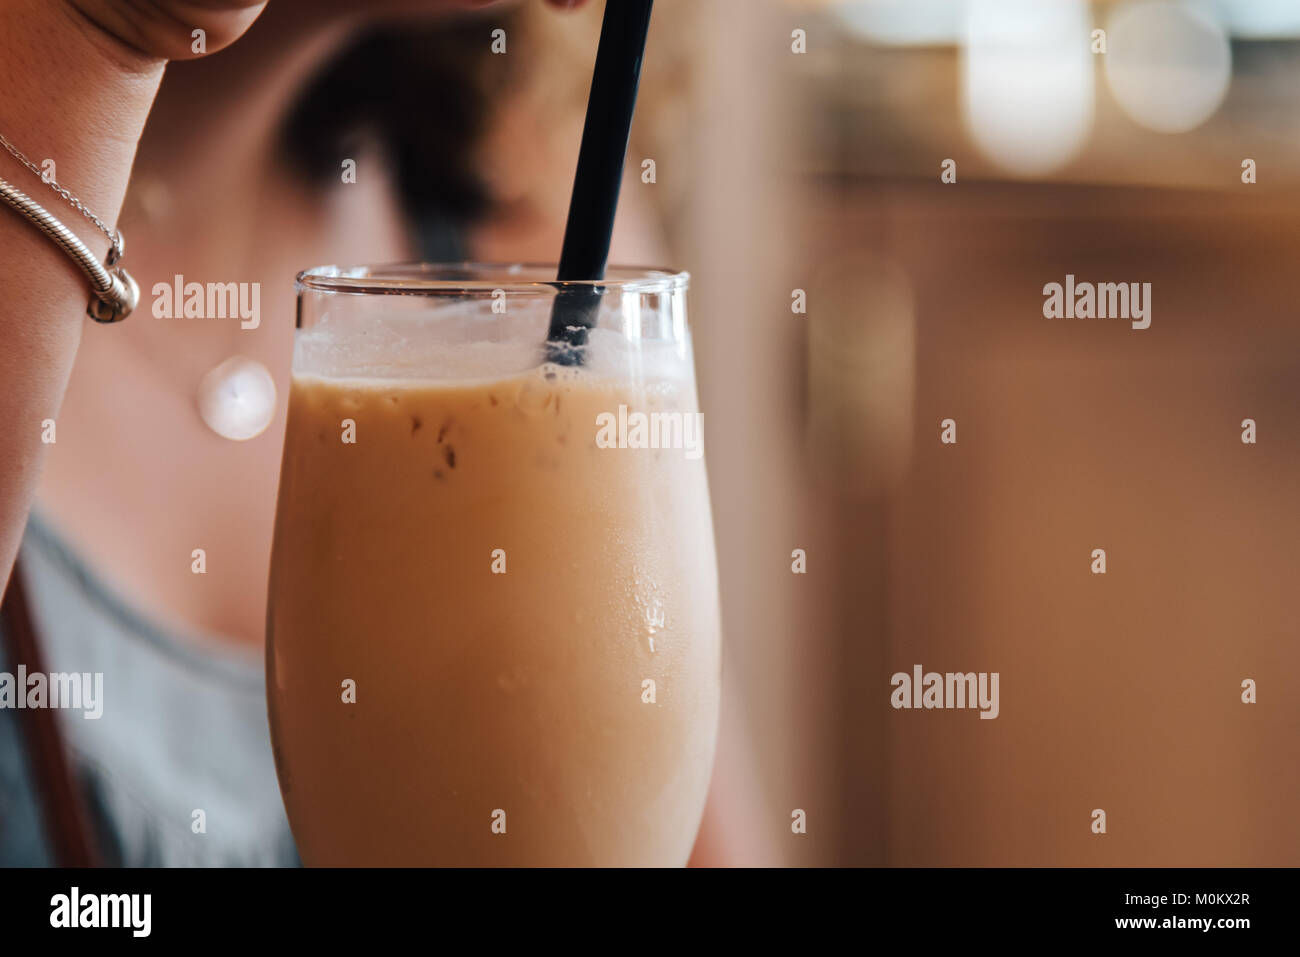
(115, 252)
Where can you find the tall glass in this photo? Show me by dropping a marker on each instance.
(493, 628)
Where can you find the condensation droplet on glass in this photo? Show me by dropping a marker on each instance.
(512, 681)
(654, 619)
(534, 395)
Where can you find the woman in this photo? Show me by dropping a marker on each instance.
(238, 178)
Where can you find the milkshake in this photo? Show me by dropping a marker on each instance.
(493, 640)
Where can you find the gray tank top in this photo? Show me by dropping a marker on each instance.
(183, 729)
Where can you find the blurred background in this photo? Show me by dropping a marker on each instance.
(821, 171)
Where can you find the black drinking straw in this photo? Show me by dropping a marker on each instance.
(599, 175)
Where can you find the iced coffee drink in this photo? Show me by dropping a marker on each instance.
(493, 629)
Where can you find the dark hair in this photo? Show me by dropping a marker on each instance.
(421, 92)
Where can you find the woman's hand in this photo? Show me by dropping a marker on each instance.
(165, 29)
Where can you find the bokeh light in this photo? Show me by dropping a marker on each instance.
(1168, 64)
(1028, 78)
(905, 22)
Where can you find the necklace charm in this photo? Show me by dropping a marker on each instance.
(236, 399)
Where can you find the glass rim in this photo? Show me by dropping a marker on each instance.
(423, 278)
